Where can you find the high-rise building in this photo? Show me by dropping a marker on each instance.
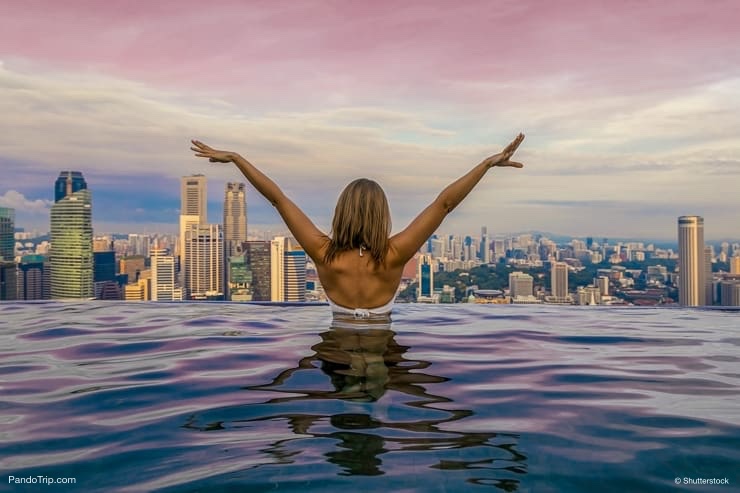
(425, 278)
(61, 186)
(277, 268)
(163, 286)
(204, 262)
(691, 261)
(235, 217)
(521, 285)
(295, 275)
(730, 291)
(8, 281)
(485, 247)
(71, 258)
(257, 256)
(559, 280)
(34, 278)
(193, 198)
(7, 233)
(708, 291)
(105, 284)
(240, 279)
(735, 264)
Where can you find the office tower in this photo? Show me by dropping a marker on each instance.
(730, 292)
(295, 275)
(691, 261)
(8, 281)
(521, 285)
(105, 285)
(61, 186)
(437, 249)
(186, 221)
(708, 291)
(71, 258)
(193, 211)
(485, 247)
(257, 255)
(34, 278)
(204, 262)
(7, 233)
(735, 264)
(163, 276)
(193, 197)
(277, 268)
(559, 280)
(240, 279)
(425, 278)
(235, 216)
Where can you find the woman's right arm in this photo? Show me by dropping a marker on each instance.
(303, 229)
(409, 241)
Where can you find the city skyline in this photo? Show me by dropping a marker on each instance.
(629, 110)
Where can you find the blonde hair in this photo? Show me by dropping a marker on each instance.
(362, 219)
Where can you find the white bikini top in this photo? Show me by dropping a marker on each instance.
(381, 311)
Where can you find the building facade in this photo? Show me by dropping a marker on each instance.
(203, 266)
(691, 261)
(71, 254)
(257, 256)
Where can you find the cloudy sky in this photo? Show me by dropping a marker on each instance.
(631, 109)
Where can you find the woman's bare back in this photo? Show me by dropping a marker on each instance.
(355, 281)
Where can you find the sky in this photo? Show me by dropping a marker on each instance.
(630, 109)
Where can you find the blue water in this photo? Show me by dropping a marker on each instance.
(233, 397)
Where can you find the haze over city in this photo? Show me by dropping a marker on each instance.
(630, 109)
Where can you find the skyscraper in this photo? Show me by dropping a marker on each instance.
(193, 211)
(257, 257)
(7, 233)
(8, 282)
(235, 217)
(735, 264)
(204, 262)
(163, 276)
(295, 275)
(71, 258)
(193, 197)
(691, 261)
(425, 278)
(61, 189)
(559, 280)
(34, 278)
(485, 247)
(277, 269)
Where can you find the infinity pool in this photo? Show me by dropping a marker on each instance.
(245, 397)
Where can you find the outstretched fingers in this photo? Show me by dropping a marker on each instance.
(511, 148)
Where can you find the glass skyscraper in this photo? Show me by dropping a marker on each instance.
(60, 186)
(71, 258)
(7, 233)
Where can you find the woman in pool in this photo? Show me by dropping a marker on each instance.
(360, 264)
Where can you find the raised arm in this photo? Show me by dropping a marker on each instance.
(305, 232)
(407, 242)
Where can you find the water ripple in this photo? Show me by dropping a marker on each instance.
(218, 397)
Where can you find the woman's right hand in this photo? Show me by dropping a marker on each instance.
(213, 155)
(502, 158)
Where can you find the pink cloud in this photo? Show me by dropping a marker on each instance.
(302, 49)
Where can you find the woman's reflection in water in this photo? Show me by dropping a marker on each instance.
(363, 363)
